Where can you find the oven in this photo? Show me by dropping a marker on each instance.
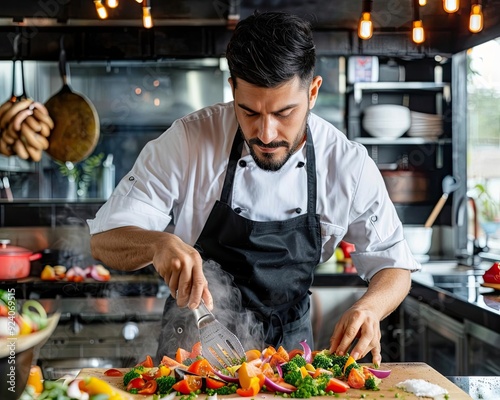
(101, 333)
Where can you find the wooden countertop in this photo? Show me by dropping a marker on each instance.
(400, 372)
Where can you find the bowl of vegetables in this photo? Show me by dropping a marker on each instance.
(24, 326)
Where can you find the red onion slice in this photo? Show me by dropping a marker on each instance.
(275, 387)
(227, 378)
(307, 351)
(379, 373)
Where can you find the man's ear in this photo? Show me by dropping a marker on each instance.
(314, 90)
(231, 83)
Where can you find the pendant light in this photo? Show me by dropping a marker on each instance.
(451, 6)
(476, 17)
(365, 25)
(417, 32)
(422, 3)
(147, 19)
(101, 10)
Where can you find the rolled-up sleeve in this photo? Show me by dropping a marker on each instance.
(375, 227)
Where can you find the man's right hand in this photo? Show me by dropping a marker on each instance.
(181, 267)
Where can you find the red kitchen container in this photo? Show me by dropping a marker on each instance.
(15, 262)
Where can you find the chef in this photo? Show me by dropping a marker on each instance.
(265, 189)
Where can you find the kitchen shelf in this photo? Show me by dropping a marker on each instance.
(359, 87)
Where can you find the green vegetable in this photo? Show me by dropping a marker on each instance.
(309, 387)
(332, 362)
(372, 383)
(291, 370)
(293, 377)
(230, 388)
(130, 375)
(165, 384)
(322, 360)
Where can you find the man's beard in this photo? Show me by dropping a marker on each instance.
(267, 161)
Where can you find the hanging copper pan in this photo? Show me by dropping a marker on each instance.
(76, 123)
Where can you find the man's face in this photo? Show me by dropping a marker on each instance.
(273, 120)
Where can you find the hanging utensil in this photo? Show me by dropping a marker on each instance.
(219, 345)
(76, 122)
(450, 184)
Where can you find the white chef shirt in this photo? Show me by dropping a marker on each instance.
(178, 177)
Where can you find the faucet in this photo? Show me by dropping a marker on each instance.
(476, 247)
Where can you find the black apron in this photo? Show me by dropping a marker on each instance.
(270, 262)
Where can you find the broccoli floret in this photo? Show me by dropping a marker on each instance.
(322, 360)
(291, 370)
(140, 368)
(165, 384)
(339, 360)
(293, 377)
(322, 381)
(230, 388)
(326, 360)
(130, 375)
(371, 383)
(293, 364)
(309, 387)
(298, 361)
(337, 371)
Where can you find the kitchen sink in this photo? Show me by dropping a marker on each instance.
(448, 275)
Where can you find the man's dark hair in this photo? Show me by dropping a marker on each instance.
(268, 49)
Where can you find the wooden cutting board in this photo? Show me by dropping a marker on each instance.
(388, 390)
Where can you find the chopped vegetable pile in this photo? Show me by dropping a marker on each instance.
(299, 373)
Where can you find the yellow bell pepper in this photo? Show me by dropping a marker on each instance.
(349, 361)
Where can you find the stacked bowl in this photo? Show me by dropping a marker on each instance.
(386, 121)
(425, 125)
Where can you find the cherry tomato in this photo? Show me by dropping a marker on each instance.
(195, 350)
(356, 380)
(181, 355)
(148, 362)
(294, 352)
(149, 388)
(189, 384)
(136, 383)
(337, 386)
(153, 373)
(214, 383)
(113, 372)
(200, 367)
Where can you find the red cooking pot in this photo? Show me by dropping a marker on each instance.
(15, 262)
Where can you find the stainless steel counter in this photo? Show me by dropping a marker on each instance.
(478, 387)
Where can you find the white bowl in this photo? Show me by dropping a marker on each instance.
(386, 121)
(419, 238)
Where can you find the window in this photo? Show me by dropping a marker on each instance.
(483, 142)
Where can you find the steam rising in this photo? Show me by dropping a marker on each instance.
(179, 325)
(228, 309)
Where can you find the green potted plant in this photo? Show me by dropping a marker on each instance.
(488, 209)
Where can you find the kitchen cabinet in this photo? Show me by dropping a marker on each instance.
(483, 350)
(430, 336)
